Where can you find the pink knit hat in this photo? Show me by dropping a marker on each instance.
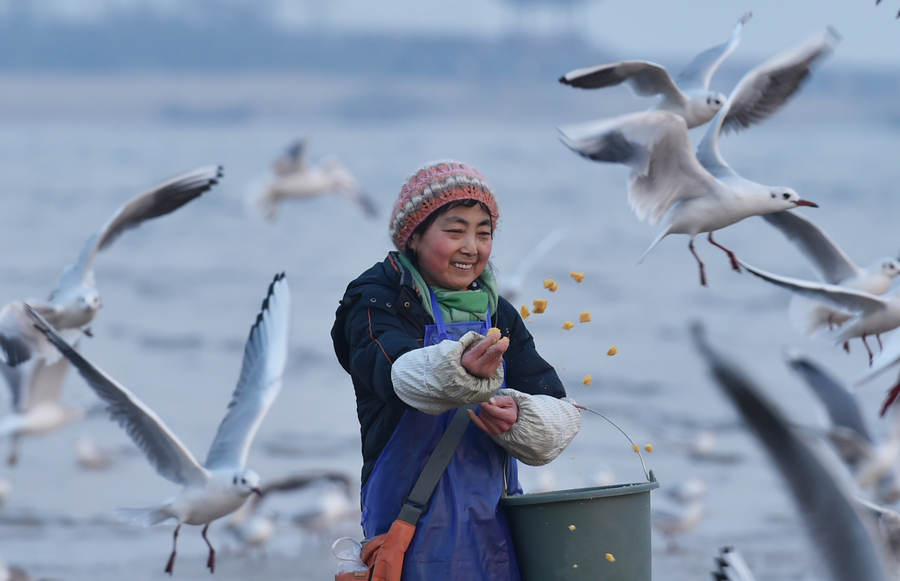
(433, 186)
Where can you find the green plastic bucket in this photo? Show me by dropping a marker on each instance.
(600, 533)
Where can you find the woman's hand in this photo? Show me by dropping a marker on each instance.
(498, 414)
(483, 358)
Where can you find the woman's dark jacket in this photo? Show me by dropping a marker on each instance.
(380, 318)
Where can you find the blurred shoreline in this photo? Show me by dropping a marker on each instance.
(240, 97)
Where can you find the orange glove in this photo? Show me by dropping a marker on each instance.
(384, 553)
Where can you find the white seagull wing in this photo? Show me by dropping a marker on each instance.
(759, 94)
(19, 340)
(295, 481)
(645, 79)
(657, 148)
(512, 283)
(839, 402)
(708, 151)
(888, 525)
(731, 566)
(46, 380)
(158, 201)
(766, 88)
(852, 448)
(699, 71)
(171, 459)
(844, 539)
(264, 358)
(845, 299)
(363, 200)
(827, 258)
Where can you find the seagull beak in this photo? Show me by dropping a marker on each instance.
(807, 203)
(257, 491)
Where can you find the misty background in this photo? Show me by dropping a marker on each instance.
(106, 57)
(100, 99)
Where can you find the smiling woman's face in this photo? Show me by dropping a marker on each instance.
(454, 250)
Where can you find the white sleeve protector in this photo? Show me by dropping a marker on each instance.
(433, 380)
(544, 428)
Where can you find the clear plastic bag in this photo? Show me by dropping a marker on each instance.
(349, 560)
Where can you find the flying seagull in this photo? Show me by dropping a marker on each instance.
(691, 194)
(688, 95)
(870, 314)
(870, 461)
(833, 267)
(845, 540)
(223, 483)
(296, 179)
(75, 301)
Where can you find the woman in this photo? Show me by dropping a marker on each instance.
(409, 379)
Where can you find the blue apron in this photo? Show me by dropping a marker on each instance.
(463, 534)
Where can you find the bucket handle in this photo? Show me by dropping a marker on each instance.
(634, 446)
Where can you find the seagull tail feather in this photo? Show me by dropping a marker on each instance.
(662, 234)
(810, 317)
(143, 516)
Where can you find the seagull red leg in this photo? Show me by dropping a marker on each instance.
(880, 344)
(891, 397)
(847, 346)
(734, 260)
(211, 562)
(700, 262)
(867, 349)
(171, 564)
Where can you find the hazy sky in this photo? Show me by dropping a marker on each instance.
(670, 31)
(648, 28)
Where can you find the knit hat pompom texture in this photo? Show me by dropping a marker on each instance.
(433, 186)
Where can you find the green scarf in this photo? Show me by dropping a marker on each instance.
(457, 306)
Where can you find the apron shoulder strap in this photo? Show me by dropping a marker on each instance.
(418, 498)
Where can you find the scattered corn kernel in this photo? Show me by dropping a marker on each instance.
(571, 527)
(635, 448)
(548, 282)
(492, 331)
(587, 380)
(525, 312)
(575, 566)
(578, 276)
(610, 558)
(540, 305)
(585, 317)
(568, 325)
(612, 351)
(649, 448)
